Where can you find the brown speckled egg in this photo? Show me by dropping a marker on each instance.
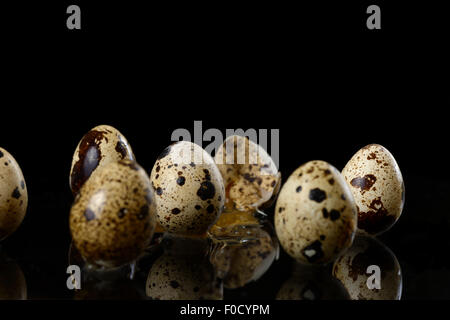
(113, 218)
(377, 186)
(13, 195)
(351, 270)
(250, 175)
(315, 215)
(312, 283)
(99, 147)
(190, 194)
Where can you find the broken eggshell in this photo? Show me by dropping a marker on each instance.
(251, 178)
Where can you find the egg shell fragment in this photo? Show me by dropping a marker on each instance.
(113, 218)
(378, 188)
(315, 214)
(189, 189)
(13, 195)
(99, 147)
(250, 175)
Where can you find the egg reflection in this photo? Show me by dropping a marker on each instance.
(13, 285)
(183, 272)
(242, 253)
(312, 283)
(352, 269)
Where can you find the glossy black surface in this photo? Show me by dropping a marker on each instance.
(329, 90)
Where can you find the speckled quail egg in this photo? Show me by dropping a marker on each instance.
(315, 214)
(13, 285)
(190, 194)
(241, 262)
(378, 188)
(113, 217)
(250, 175)
(352, 270)
(183, 272)
(13, 195)
(312, 283)
(99, 147)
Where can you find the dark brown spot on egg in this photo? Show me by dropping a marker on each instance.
(207, 174)
(334, 215)
(16, 193)
(375, 220)
(210, 208)
(343, 197)
(176, 211)
(158, 168)
(22, 184)
(317, 195)
(89, 214)
(371, 156)
(364, 183)
(174, 284)
(164, 153)
(192, 164)
(181, 180)
(206, 190)
(197, 207)
(89, 156)
(159, 191)
(331, 181)
(299, 188)
(325, 213)
(313, 252)
(122, 212)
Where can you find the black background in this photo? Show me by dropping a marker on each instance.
(312, 70)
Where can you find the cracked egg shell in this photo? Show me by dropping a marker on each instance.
(378, 188)
(315, 214)
(99, 147)
(190, 194)
(250, 175)
(13, 195)
(113, 219)
(351, 270)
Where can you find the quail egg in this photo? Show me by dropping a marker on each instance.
(312, 283)
(13, 195)
(315, 214)
(190, 194)
(378, 188)
(250, 175)
(100, 146)
(352, 269)
(113, 217)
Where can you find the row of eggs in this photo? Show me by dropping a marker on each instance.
(118, 207)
